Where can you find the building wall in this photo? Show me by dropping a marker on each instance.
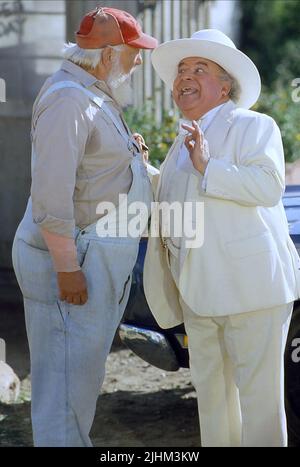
(75, 10)
(167, 20)
(31, 37)
(225, 15)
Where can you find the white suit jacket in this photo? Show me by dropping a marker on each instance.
(248, 261)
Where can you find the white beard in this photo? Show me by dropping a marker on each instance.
(120, 85)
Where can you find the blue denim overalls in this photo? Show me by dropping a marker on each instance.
(69, 344)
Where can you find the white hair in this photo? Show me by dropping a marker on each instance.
(85, 57)
(118, 81)
(235, 89)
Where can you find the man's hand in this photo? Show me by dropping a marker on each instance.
(143, 147)
(72, 287)
(195, 145)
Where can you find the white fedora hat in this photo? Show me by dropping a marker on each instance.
(213, 45)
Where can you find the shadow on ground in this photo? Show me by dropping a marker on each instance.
(122, 419)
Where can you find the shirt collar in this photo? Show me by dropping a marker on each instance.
(204, 121)
(86, 78)
(79, 73)
(207, 118)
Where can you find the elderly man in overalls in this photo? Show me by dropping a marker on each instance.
(73, 271)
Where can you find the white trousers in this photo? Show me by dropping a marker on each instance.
(237, 368)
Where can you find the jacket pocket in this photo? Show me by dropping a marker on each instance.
(250, 246)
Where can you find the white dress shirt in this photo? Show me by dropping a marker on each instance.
(184, 161)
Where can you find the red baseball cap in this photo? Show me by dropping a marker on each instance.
(109, 26)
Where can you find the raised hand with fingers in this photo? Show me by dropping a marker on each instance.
(197, 147)
(143, 147)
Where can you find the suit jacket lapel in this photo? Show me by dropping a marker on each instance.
(218, 129)
(177, 141)
(215, 134)
(219, 126)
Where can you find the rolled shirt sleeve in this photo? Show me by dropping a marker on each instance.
(59, 138)
(63, 251)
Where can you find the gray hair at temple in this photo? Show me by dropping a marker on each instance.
(235, 90)
(87, 58)
(118, 81)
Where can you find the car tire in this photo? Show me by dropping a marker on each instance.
(292, 379)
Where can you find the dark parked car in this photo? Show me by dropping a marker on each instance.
(167, 348)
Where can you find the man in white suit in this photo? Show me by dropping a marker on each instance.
(235, 293)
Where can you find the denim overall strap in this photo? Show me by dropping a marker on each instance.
(115, 223)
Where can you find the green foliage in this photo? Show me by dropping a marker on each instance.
(158, 137)
(289, 65)
(278, 103)
(266, 28)
(270, 36)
